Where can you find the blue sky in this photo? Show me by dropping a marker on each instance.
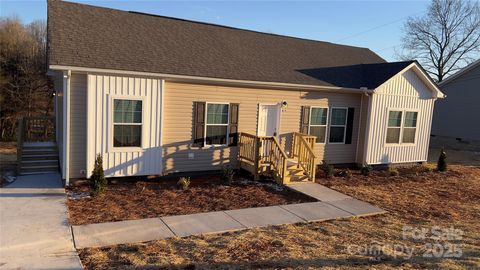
(373, 24)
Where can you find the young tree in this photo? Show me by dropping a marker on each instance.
(446, 38)
(442, 161)
(98, 182)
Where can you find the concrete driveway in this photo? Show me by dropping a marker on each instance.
(34, 231)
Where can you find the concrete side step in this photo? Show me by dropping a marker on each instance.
(39, 172)
(38, 168)
(39, 150)
(36, 163)
(28, 157)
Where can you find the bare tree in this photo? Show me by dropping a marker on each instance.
(24, 87)
(446, 38)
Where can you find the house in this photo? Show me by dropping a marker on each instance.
(456, 117)
(156, 95)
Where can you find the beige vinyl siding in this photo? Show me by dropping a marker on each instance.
(178, 122)
(405, 91)
(102, 89)
(58, 87)
(78, 125)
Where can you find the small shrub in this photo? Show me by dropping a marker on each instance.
(328, 169)
(98, 182)
(393, 172)
(442, 161)
(345, 173)
(227, 174)
(427, 169)
(184, 183)
(366, 170)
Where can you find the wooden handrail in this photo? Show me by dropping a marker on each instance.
(263, 151)
(302, 149)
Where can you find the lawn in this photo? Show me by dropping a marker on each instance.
(129, 198)
(416, 198)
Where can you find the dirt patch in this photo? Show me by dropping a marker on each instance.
(416, 198)
(8, 148)
(129, 199)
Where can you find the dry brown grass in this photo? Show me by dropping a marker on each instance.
(415, 198)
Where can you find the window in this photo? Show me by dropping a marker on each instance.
(318, 123)
(216, 128)
(399, 131)
(409, 127)
(338, 123)
(127, 123)
(394, 126)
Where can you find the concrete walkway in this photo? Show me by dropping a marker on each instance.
(331, 205)
(34, 232)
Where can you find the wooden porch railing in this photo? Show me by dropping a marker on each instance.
(295, 142)
(37, 129)
(259, 152)
(302, 149)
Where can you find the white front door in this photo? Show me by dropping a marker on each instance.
(268, 119)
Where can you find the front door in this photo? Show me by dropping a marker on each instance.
(268, 119)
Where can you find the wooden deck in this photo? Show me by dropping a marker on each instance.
(263, 155)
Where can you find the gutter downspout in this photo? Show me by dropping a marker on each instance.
(66, 125)
(368, 129)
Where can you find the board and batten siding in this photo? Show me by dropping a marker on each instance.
(180, 156)
(119, 161)
(405, 91)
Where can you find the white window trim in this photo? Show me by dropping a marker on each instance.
(206, 124)
(344, 126)
(402, 123)
(111, 125)
(326, 124)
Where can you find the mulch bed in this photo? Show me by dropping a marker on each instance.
(128, 199)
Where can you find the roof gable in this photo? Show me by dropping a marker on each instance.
(414, 78)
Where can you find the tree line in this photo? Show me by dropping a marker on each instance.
(24, 85)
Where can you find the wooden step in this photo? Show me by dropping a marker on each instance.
(295, 171)
(297, 178)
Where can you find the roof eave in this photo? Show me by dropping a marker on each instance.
(460, 72)
(210, 80)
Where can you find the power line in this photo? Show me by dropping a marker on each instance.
(377, 27)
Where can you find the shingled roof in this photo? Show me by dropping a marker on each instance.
(95, 37)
